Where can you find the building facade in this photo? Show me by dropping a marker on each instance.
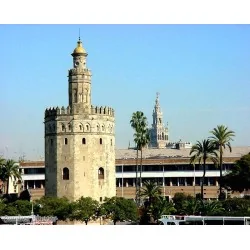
(169, 168)
(80, 140)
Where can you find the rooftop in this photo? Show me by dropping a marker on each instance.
(178, 153)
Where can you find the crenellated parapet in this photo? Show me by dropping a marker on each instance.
(108, 111)
(55, 111)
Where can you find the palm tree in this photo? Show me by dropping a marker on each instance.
(203, 151)
(8, 170)
(2, 171)
(142, 139)
(2, 161)
(151, 191)
(213, 208)
(191, 207)
(162, 207)
(221, 138)
(138, 123)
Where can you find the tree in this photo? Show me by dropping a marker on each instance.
(23, 207)
(239, 177)
(2, 162)
(9, 169)
(142, 139)
(2, 171)
(236, 207)
(84, 209)
(202, 152)
(119, 209)
(138, 122)
(161, 207)
(191, 207)
(151, 191)
(213, 208)
(53, 206)
(221, 138)
(179, 202)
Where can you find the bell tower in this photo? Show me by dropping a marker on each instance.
(79, 82)
(158, 132)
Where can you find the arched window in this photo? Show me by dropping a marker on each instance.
(80, 127)
(83, 141)
(65, 141)
(100, 173)
(63, 127)
(163, 136)
(103, 127)
(100, 140)
(87, 127)
(69, 127)
(65, 174)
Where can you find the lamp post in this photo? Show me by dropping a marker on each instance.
(194, 180)
(163, 182)
(122, 177)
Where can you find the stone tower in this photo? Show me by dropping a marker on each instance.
(158, 132)
(80, 141)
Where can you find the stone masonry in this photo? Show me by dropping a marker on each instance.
(80, 141)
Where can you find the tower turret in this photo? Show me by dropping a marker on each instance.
(79, 81)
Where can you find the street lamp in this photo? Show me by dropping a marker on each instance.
(194, 180)
(163, 182)
(122, 177)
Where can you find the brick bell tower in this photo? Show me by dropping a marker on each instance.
(80, 140)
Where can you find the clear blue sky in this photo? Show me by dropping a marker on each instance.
(201, 71)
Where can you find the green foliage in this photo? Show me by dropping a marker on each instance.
(9, 169)
(191, 207)
(52, 206)
(23, 207)
(179, 202)
(150, 191)
(2, 170)
(236, 207)
(239, 178)
(85, 209)
(202, 152)
(141, 138)
(119, 209)
(161, 207)
(212, 208)
(221, 137)
(8, 209)
(2, 206)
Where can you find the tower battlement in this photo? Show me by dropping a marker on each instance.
(108, 111)
(95, 110)
(55, 111)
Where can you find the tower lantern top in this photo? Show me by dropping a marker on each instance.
(79, 49)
